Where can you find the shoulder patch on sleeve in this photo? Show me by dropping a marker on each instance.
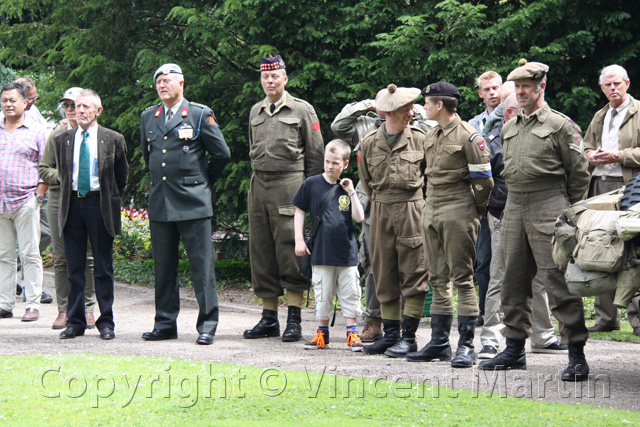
(473, 135)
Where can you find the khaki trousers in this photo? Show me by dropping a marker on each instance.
(274, 265)
(397, 255)
(527, 226)
(450, 226)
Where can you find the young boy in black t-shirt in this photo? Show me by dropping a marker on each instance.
(335, 251)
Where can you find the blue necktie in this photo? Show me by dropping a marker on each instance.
(84, 166)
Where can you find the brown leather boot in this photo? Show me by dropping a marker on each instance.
(372, 331)
(61, 321)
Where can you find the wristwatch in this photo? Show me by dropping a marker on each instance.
(40, 199)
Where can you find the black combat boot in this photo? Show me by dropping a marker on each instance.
(268, 326)
(408, 342)
(513, 357)
(390, 338)
(439, 347)
(578, 369)
(293, 331)
(465, 355)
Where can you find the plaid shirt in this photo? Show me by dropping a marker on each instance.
(20, 155)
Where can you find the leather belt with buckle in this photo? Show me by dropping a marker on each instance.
(89, 194)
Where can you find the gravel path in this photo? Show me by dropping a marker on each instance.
(615, 366)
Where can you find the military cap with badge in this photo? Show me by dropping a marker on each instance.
(441, 89)
(528, 70)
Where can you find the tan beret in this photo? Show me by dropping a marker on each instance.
(529, 70)
(394, 97)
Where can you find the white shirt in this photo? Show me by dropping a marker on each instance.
(610, 138)
(93, 151)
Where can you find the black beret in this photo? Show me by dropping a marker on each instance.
(441, 89)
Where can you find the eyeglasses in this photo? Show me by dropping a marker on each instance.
(66, 106)
(33, 99)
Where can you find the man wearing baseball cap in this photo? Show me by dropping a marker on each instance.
(48, 171)
(391, 169)
(459, 184)
(545, 170)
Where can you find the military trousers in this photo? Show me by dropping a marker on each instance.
(274, 265)
(397, 257)
(527, 226)
(450, 226)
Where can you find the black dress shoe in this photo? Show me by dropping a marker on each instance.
(5, 314)
(205, 339)
(71, 332)
(107, 333)
(156, 335)
(46, 298)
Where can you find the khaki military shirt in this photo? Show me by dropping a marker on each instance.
(393, 175)
(543, 150)
(289, 140)
(458, 161)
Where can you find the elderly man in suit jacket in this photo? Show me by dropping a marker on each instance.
(93, 177)
(176, 137)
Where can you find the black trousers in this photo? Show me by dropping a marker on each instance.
(196, 237)
(85, 220)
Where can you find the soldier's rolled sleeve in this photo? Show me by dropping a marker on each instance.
(314, 145)
(47, 169)
(344, 123)
(479, 160)
(574, 160)
(215, 145)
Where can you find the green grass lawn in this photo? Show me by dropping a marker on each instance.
(105, 390)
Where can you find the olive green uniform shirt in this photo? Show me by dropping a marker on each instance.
(543, 150)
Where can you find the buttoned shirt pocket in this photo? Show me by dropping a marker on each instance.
(289, 128)
(410, 165)
(508, 143)
(453, 158)
(378, 168)
(194, 180)
(539, 143)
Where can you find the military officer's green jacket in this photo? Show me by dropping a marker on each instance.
(457, 161)
(289, 140)
(180, 174)
(543, 150)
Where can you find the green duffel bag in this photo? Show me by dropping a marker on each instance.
(588, 283)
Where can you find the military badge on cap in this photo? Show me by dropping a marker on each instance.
(441, 89)
(272, 63)
(167, 69)
(528, 70)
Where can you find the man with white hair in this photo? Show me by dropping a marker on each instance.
(93, 176)
(613, 148)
